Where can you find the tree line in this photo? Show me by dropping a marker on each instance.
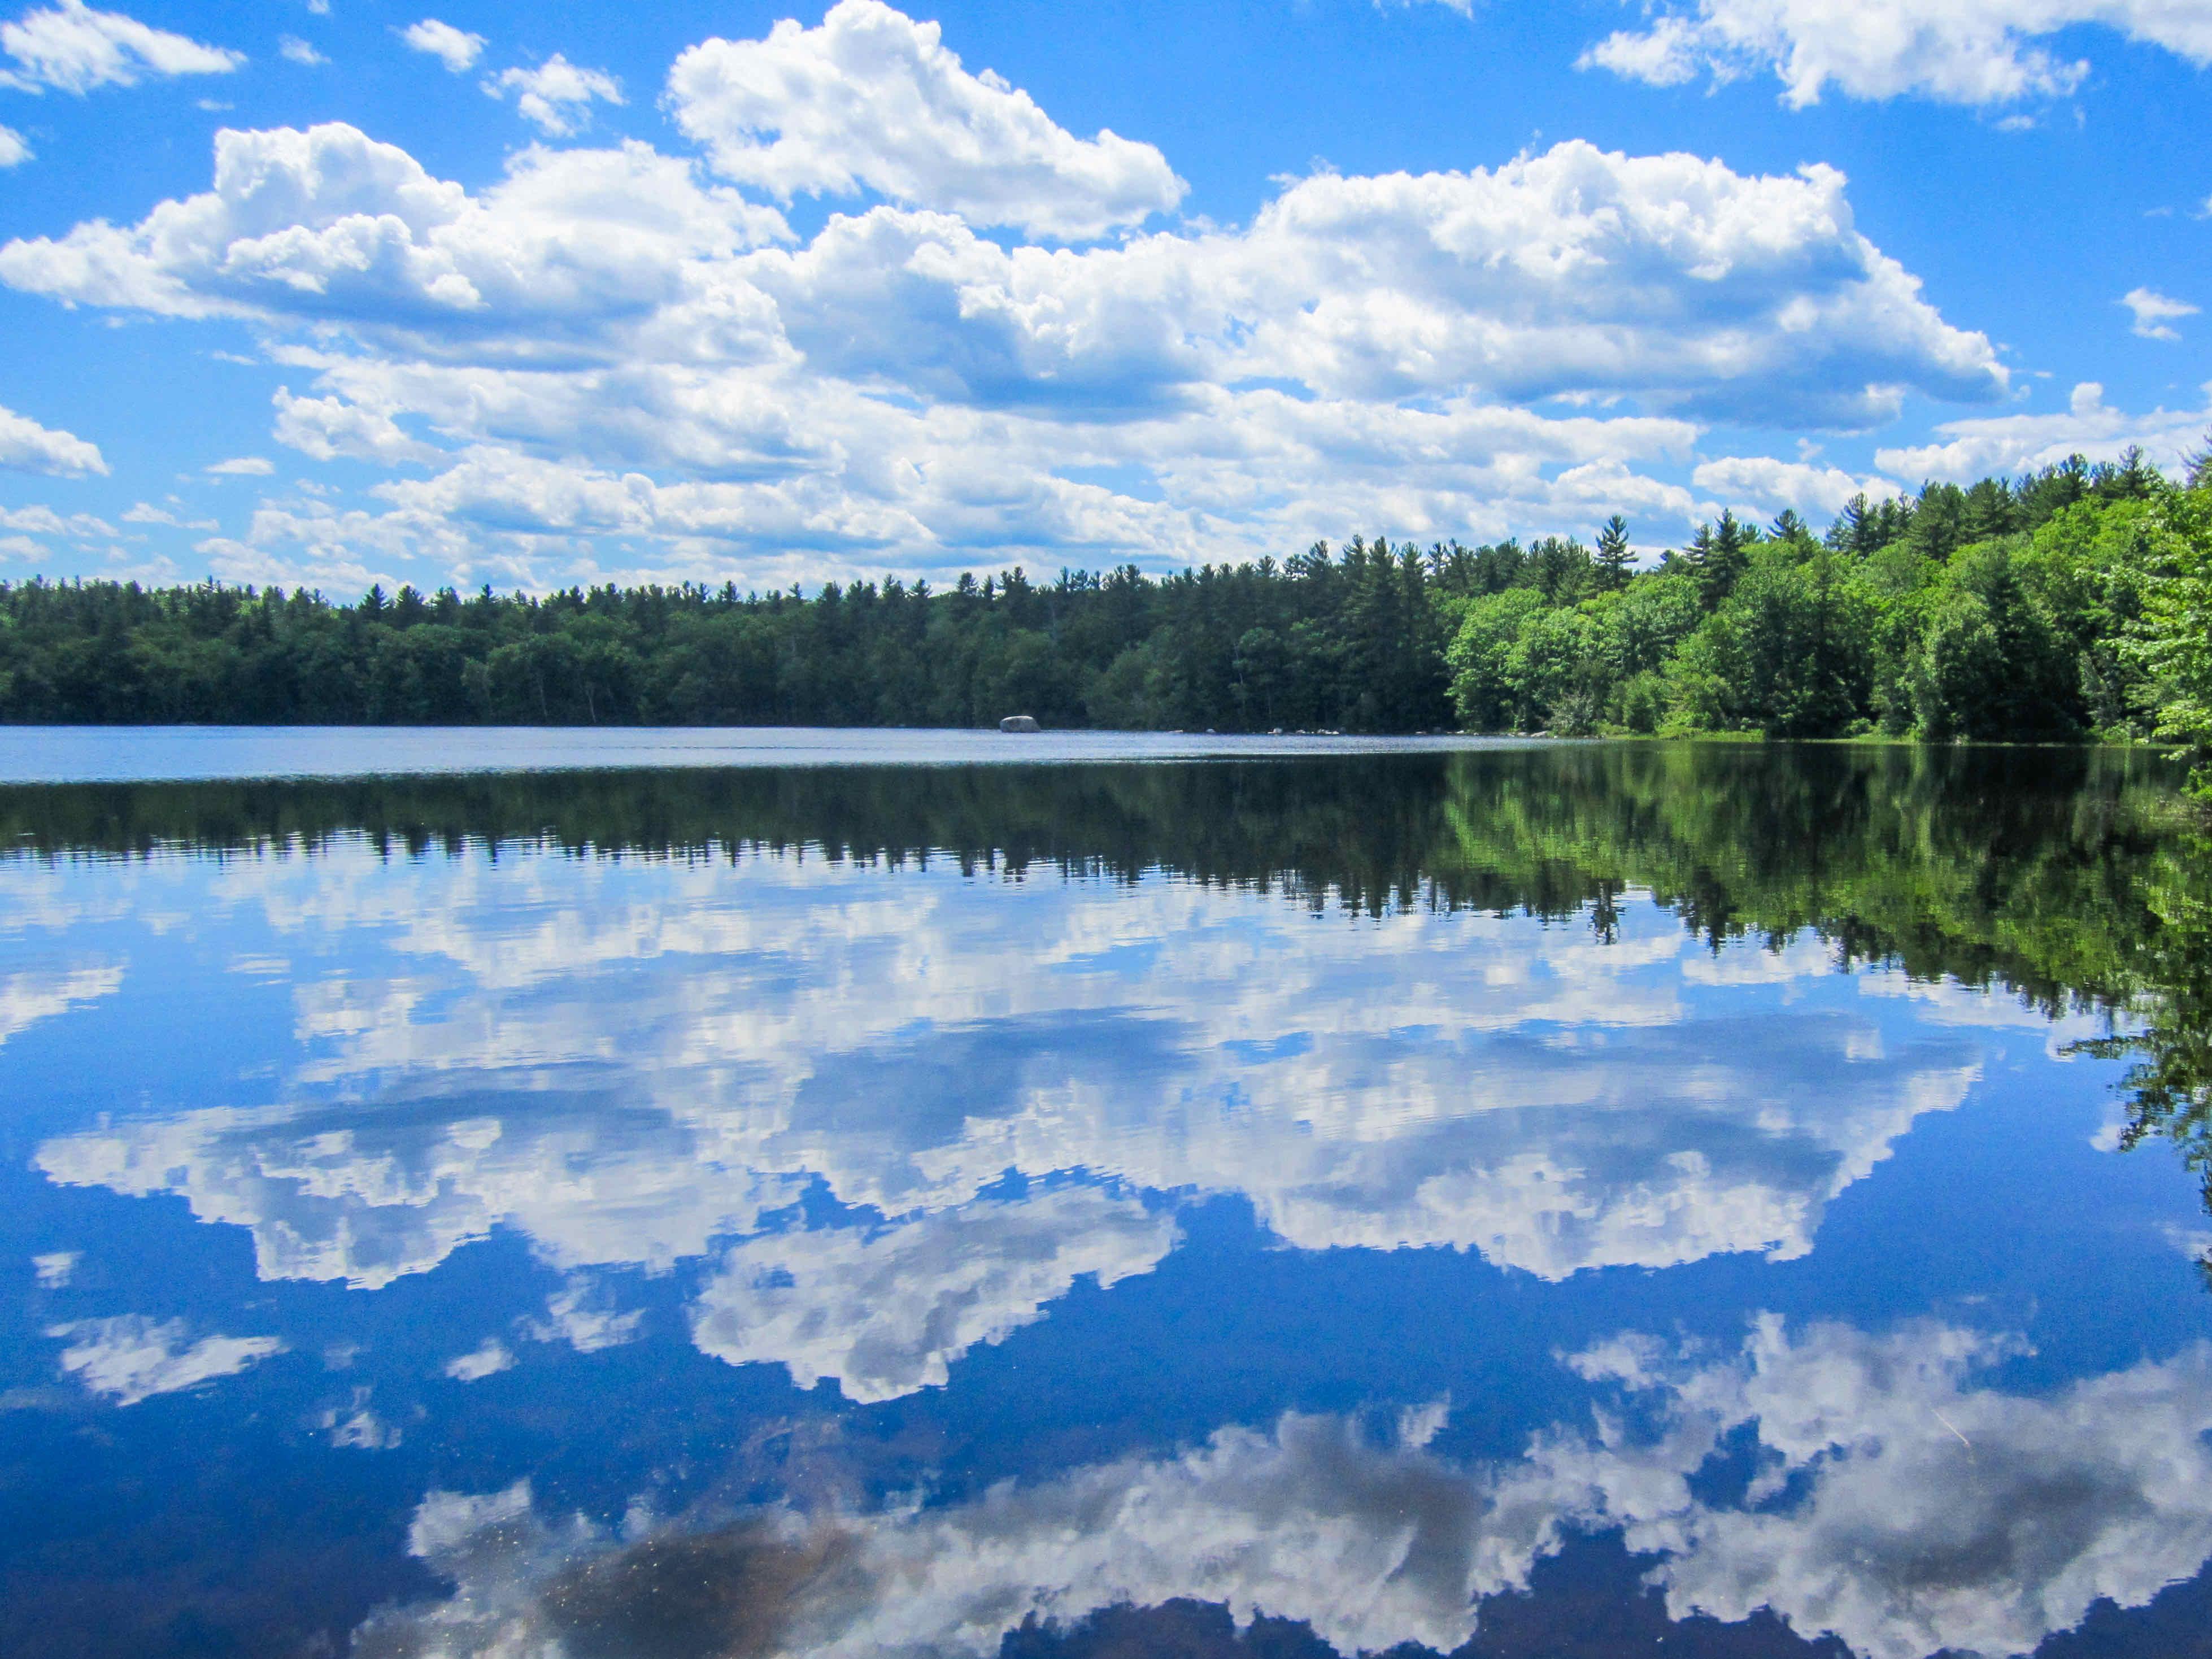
(2074, 602)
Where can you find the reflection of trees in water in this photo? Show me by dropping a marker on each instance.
(2073, 878)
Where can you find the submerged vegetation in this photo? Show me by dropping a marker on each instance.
(2074, 602)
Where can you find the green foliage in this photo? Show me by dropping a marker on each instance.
(2071, 603)
(2170, 642)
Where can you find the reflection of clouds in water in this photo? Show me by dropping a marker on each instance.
(487, 1358)
(26, 999)
(573, 1316)
(884, 1311)
(1910, 1513)
(2194, 1242)
(1889, 1504)
(1946, 1002)
(367, 1196)
(908, 1036)
(1375, 1544)
(131, 1358)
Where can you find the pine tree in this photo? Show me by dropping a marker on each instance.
(1614, 557)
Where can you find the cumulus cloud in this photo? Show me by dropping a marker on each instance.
(327, 428)
(1891, 1505)
(1444, 1118)
(131, 1358)
(27, 446)
(73, 48)
(1759, 484)
(328, 224)
(1924, 1515)
(1374, 1543)
(2153, 312)
(607, 355)
(456, 49)
(2089, 427)
(14, 150)
(296, 51)
(872, 101)
(885, 1312)
(1976, 52)
(556, 96)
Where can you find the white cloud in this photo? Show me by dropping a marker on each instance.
(1927, 1516)
(45, 521)
(1375, 1544)
(56, 1268)
(571, 1318)
(1976, 52)
(147, 512)
(556, 96)
(885, 1312)
(2153, 311)
(243, 466)
(611, 351)
(327, 428)
(14, 150)
(27, 997)
(1891, 1506)
(1668, 1145)
(456, 49)
(1759, 485)
(872, 101)
(131, 1358)
(73, 48)
(27, 446)
(296, 51)
(355, 1425)
(1976, 447)
(2195, 1242)
(488, 1358)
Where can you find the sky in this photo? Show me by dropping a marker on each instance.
(325, 292)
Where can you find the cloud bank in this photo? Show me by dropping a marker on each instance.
(995, 344)
(1892, 1505)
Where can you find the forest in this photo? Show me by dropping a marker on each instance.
(2072, 603)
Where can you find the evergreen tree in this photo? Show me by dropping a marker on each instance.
(1614, 560)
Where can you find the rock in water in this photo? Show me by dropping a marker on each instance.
(1019, 723)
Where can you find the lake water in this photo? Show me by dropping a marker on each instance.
(819, 1196)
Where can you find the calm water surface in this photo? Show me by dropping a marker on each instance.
(1593, 1200)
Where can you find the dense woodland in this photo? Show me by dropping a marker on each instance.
(2074, 602)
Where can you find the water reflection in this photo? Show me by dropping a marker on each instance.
(1872, 1496)
(917, 1212)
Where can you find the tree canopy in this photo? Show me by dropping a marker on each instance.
(2074, 602)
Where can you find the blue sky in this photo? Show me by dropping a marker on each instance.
(330, 293)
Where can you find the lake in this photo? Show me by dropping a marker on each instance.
(842, 1193)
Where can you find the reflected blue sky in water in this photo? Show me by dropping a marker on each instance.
(1330, 1266)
